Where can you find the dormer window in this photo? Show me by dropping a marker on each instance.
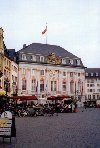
(71, 61)
(78, 62)
(91, 74)
(23, 56)
(41, 59)
(86, 74)
(33, 57)
(63, 61)
(97, 74)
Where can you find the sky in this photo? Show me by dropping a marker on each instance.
(72, 24)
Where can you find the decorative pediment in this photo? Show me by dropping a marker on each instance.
(53, 59)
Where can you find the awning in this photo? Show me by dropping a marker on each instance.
(2, 92)
(54, 98)
(24, 97)
(59, 97)
(64, 96)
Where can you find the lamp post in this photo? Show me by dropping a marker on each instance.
(6, 85)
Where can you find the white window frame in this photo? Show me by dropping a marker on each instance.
(32, 71)
(41, 58)
(63, 61)
(78, 62)
(23, 56)
(71, 61)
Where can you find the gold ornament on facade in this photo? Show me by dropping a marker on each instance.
(53, 59)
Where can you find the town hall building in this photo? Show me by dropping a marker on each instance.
(46, 70)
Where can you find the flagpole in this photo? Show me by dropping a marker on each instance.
(46, 34)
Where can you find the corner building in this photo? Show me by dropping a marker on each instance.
(46, 70)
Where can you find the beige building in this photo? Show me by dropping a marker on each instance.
(8, 69)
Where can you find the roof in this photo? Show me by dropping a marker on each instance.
(94, 71)
(46, 49)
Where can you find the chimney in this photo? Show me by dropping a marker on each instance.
(24, 45)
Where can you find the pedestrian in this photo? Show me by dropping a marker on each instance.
(56, 109)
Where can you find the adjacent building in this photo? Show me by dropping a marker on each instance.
(45, 70)
(92, 83)
(8, 69)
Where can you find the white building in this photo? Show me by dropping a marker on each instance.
(92, 85)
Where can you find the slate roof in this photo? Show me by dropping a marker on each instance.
(94, 71)
(46, 49)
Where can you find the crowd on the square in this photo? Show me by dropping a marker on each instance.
(22, 110)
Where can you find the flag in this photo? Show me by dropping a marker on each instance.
(37, 87)
(75, 88)
(44, 31)
(82, 89)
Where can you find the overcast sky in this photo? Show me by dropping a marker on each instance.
(72, 24)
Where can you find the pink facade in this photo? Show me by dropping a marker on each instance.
(50, 80)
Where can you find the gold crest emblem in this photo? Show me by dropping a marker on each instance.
(53, 59)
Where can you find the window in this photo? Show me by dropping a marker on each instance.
(23, 57)
(53, 86)
(23, 84)
(89, 96)
(41, 59)
(92, 85)
(98, 85)
(92, 81)
(91, 74)
(63, 61)
(5, 72)
(71, 87)
(87, 85)
(98, 90)
(23, 71)
(78, 74)
(97, 74)
(41, 85)
(64, 73)
(64, 85)
(78, 62)
(86, 74)
(32, 71)
(33, 57)
(33, 85)
(93, 96)
(79, 86)
(42, 72)
(71, 61)
(71, 74)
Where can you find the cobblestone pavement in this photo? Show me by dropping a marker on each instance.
(67, 130)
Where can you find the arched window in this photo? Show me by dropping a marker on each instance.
(23, 84)
(53, 85)
(33, 84)
(79, 86)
